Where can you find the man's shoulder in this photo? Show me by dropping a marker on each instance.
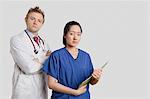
(18, 37)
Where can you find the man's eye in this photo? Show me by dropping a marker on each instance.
(39, 21)
(32, 18)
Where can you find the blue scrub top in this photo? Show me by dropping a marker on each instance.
(69, 71)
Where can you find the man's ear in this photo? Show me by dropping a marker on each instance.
(25, 19)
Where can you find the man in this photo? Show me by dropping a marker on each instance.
(29, 51)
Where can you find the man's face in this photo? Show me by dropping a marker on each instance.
(34, 21)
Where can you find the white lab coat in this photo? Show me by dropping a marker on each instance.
(28, 81)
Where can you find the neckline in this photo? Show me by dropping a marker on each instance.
(71, 55)
(31, 34)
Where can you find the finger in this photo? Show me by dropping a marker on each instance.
(93, 75)
(96, 73)
(99, 70)
(83, 87)
(96, 76)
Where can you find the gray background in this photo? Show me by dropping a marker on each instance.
(115, 30)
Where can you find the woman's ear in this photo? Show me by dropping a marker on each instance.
(65, 36)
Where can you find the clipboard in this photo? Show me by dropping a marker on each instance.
(104, 65)
(85, 82)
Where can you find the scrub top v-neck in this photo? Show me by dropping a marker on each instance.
(68, 71)
(71, 55)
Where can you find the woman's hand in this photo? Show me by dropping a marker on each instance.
(56, 86)
(80, 90)
(96, 76)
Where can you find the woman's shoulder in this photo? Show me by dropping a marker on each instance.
(58, 51)
(84, 52)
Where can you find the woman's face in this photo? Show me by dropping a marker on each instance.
(73, 36)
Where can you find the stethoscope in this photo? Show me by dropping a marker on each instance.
(35, 50)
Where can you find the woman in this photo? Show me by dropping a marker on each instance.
(68, 67)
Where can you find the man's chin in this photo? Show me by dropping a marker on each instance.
(34, 30)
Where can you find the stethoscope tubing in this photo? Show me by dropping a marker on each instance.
(35, 50)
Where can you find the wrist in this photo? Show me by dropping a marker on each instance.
(94, 81)
(74, 92)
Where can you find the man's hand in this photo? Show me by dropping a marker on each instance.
(48, 53)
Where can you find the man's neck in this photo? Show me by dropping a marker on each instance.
(34, 33)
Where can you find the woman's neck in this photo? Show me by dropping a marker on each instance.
(72, 49)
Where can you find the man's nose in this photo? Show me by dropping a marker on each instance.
(35, 21)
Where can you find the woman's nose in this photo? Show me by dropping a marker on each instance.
(75, 37)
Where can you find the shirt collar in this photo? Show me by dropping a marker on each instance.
(30, 33)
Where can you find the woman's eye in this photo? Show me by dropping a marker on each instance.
(79, 34)
(71, 33)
